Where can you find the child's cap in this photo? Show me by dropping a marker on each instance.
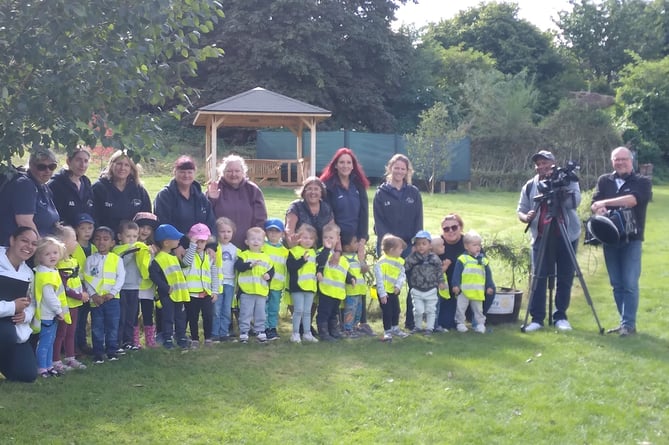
(199, 232)
(146, 219)
(274, 223)
(84, 218)
(422, 234)
(166, 232)
(104, 229)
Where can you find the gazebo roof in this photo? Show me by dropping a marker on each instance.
(260, 108)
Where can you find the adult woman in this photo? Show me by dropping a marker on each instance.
(119, 194)
(237, 198)
(398, 207)
(17, 359)
(71, 188)
(27, 201)
(311, 209)
(451, 227)
(181, 203)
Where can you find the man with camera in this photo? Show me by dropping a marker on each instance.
(552, 194)
(624, 189)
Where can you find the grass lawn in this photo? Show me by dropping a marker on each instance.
(504, 387)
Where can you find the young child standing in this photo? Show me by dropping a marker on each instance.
(332, 279)
(171, 287)
(354, 292)
(147, 223)
(70, 274)
(472, 281)
(202, 279)
(50, 300)
(390, 277)
(255, 273)
(127, 249)
(104, 276)
(278, 253)
(226, 255)
(438, 248)
(301, 265)
(84, 228)
(425, 276)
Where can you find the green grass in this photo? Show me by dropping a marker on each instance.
(504, 387)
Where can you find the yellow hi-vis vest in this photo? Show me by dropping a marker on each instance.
(174, 276)
(278, 255)
(251, 281)
(391, 268)
(198, 275)
(50, 278)
(445, 293)
(355, 269)
(333, 283)
(104, 282)
(143, 259)
(81, 256)
(306, 275)
(473, 277)
(72, 268)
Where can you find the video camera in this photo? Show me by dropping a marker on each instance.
(560, 178)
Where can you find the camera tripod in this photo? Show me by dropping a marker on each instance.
(546, 251)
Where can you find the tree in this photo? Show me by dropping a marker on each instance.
(65, 61)
(428, 148)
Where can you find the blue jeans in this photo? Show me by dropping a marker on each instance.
(272, 309)
(557, 261)
(44, 351)
(104, 327)
(222, 310)
(352, 311)
(623, 262)
(302, 302)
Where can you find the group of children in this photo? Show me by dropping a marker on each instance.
(176, 280)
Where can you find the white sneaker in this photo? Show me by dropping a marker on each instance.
(308, 337)
(461, 328)
(262, 337)
(397, 331)
(387, 336)
(534, 326)
(480, 328)
(295, 337)
(243, 338)
(563, 325)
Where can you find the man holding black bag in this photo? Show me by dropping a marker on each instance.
(624, 189)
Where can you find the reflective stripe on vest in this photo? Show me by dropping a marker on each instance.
(72, 268)
(251, 281)
(143, 259)
(198, 276)
(50, 278)
(355, 268)
(445, 293)
(278, 256)
(174, 276)
(333, 283)
(80, 255)
(105, 280)
(473, 277)
(306, 275)
(391, 267)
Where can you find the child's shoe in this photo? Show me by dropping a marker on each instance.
(61, 367)
(351, 334)
(461, 327)
(365, 329)
(98, 360)
(295, 338)
(184, 343)
(309, 338)
(398, 332)
(53, 372)
(194, 344)
(112, 357)
(243, 337)
(480, 328)
(262, 337)
(73, 363)
(387, 336)
(208, 343)
(168, 344)
(427, 332)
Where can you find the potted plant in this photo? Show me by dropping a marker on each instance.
(514, 259)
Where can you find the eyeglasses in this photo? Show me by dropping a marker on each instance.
(450, 228)
(44, 167)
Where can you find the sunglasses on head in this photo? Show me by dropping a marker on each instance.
(45, 167)
(450, 228)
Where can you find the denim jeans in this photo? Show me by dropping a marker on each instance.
(222, 312)
(302, 302)
(272, 308)
(47, 336)
(623, 262)
(352, 311)
(559, 264)
(104, 327)
(173, 319)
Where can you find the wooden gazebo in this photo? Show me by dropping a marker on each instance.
(261, 108)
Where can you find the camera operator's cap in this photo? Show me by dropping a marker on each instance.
(543, 154)
(84, 218)
(199, 232)
(274, 223)
(167, 232)
(146, 219)
(422, 234)
(603, 229)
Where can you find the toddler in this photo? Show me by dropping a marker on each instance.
(390, 277)
(226, 255)
(278, 253)
(147, 223)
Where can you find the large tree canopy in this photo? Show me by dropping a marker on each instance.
(64, 61)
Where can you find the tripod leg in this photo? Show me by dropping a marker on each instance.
(551, 287)
(536, 272)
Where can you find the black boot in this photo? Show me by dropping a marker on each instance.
(323, 333)
(333, 328)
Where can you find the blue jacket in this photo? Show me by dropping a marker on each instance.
(69, 202)
(398, 212)
(172, 208)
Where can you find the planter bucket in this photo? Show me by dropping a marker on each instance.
(505, 307)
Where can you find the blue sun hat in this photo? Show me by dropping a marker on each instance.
(166, 232)
(422, 234)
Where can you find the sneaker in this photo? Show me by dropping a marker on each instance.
(120, 351)
(168, 344)
(53, 372)
(534, 326)
(615, 330)
(208, 342)
(439, 329)
(295, 338)
(98, 360)
(61, 367)
(365, 329)
(563, 325)
(184, 343)
(309, 338)
(73, 363)
(461, 327)
(626, 331)
(415, 330)
(480, 328)
(398, 332)
(271, 334)
(45, 374)
(215, 340)
(351, 334)
(276, 334)
(262, 337)
(243, 338)
(194, 344)
(387, 336)
(112, 357)
(130, 347)
(427, 332)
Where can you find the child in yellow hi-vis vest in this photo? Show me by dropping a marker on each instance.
(278, 253)
(472, 281)
(390, 277)
(354, 292)
(50, 300)
(104, 276)
(171, 286)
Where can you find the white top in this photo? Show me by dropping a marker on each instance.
(7, 308)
